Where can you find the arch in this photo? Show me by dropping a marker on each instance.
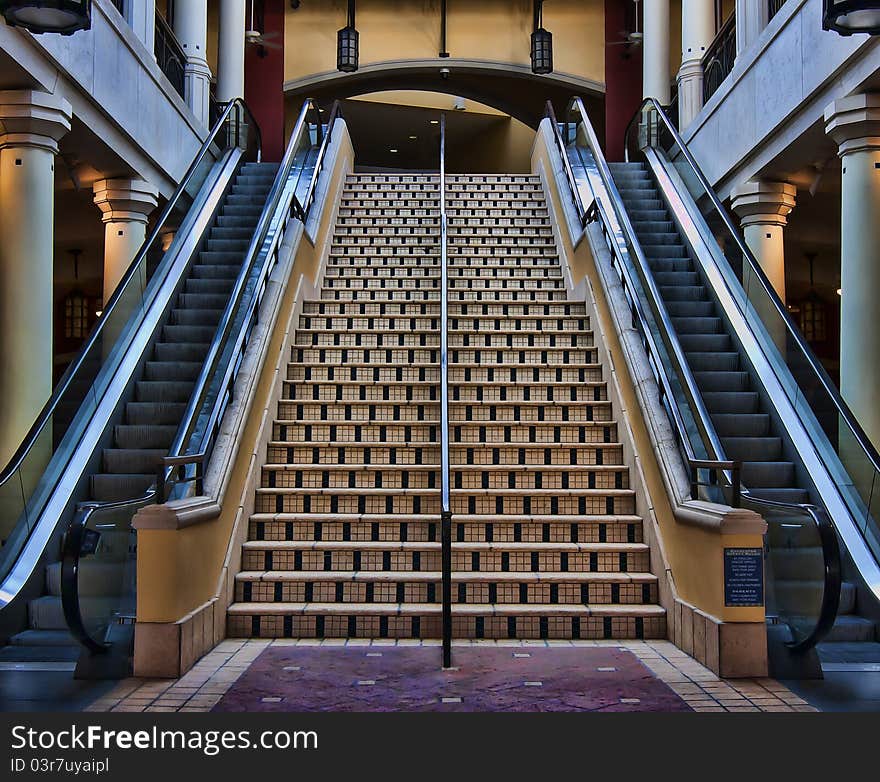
(508, 87)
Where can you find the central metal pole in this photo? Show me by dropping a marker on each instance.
(445, 510)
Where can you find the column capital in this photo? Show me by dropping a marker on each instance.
(854, 122)
(125, 200)
(761, 202)
(31, 118)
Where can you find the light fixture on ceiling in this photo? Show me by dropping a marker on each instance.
(392, 149)
(347, 43)
(435, 121)
(851, 16)
(413, 138)
(542, 43)
(48, 16)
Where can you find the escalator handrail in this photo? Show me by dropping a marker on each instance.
(182, 452)
(819, 515)
(794, 333)
(71, 550)
(58, 393)
(718, 459)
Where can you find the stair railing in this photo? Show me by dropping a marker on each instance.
(445, 507)
(626, 253)
(193, 444)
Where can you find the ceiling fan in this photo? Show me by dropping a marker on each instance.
(631, 39)
(255, 37)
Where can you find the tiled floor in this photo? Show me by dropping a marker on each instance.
(202, 688)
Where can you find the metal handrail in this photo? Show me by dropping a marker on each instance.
(60, 390)
(183, 454)
(73, 537)
(755, 269)
(819, 515)
(718, 461)
(71, 550)
(445, 507)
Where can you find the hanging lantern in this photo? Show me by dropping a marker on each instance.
(48, 16)
(542, 43)
(851, 16)
(347, 44)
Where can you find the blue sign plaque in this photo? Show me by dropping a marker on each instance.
(743, 577)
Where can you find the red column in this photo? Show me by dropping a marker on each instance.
(264, 81)
(623, 77)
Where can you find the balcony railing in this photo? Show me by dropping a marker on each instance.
(719, 58)
(169, 54)
(772, 7)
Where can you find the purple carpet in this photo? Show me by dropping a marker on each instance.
(361, 679)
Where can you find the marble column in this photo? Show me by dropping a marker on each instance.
(763, 208)
(141, 17)
(230, 51)
(751, 19)
(125, 205)
(854, 124)
(655, 51)
(31, 124)
(191, 29)
(697, 31)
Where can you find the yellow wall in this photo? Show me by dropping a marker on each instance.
(505, 147)
(495, 30)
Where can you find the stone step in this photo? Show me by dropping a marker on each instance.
(422, 620)
(427, 452)
(546, 588)
(590, 534)
(566, 502)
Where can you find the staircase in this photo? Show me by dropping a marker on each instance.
(151, 418)
(741, 419)
(344, 540)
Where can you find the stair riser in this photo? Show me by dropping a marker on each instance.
(429, 626)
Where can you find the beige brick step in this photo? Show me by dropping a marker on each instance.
(550, 536)
(352, 475)
(301, 353)
(523, 356)
(501, 501)
(523, 588)
(365, 412)
(505, 308)
(428, 452)
(420, 620)
(540, 296)
(385, 295)
(463, 433)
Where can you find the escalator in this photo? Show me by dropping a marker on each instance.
(758, 417)
(98, 451)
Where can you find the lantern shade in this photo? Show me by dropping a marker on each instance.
(542, 51)
(48, 16)
(851, 16)
(347, 49)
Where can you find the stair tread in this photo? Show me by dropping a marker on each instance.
(435, 576)
(502, 609)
